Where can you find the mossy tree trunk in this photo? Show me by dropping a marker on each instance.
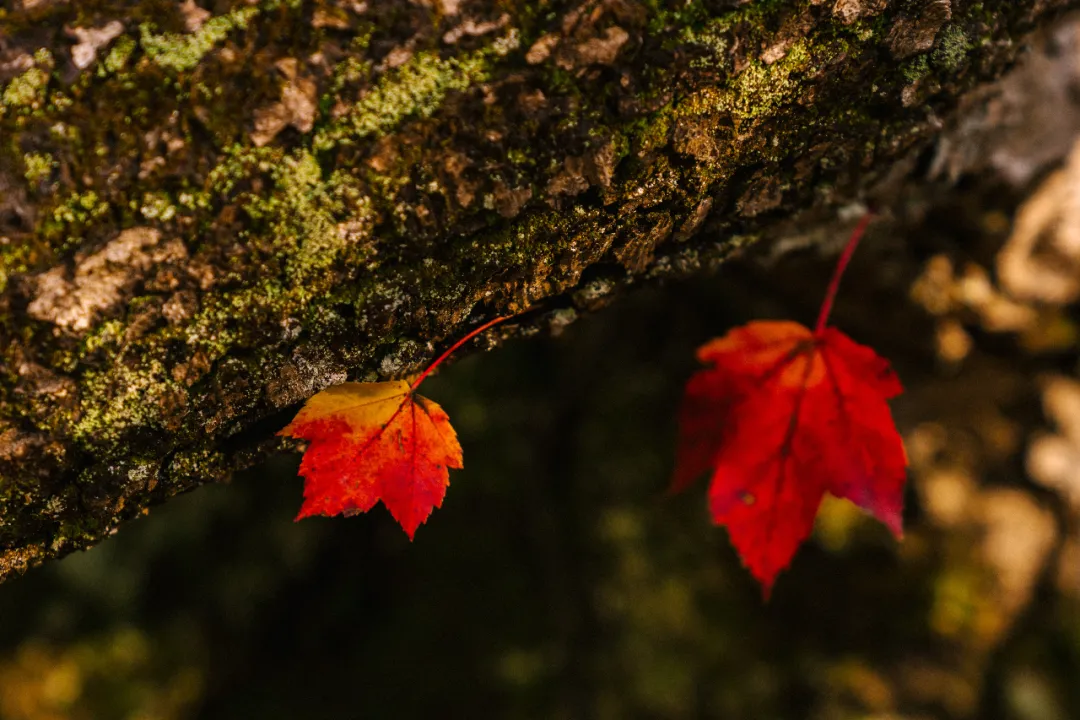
(205, 218)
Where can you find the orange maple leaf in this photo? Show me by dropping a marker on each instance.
(377, 441)
(782, 416)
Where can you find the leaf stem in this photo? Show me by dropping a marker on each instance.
(841, 266)
(452, 348)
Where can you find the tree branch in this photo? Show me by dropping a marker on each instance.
(206, 219)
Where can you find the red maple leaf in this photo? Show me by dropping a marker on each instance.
(377, 441)
(781, 416)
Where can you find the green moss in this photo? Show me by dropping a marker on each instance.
(198, 465)
(60, 102)
(762, 89)
(181, 52)
(952, 48)
(124, 397)
(76, 533)
(78, 208)
(39, 167)
(916, 69)
(103, 335)
(118, 56)
(301, 216)
(714, 35)
(15, 259)
(211, 330)
(653, 132)
(864, 30)
(417, 88)
(193, 200)
(349, 71)
(26, 91)
(353, 69)
(157, 206)
(663, 15)
(715, 45)
(518, 157)
(698, 28)
(62, 227)
(237, 164)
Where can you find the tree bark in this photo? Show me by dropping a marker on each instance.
(204, 219)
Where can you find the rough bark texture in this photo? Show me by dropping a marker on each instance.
(205, 217)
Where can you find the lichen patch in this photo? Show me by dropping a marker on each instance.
(298, 106)
(101, 280)
(849, 11)
(90, 40)
(916, 32)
